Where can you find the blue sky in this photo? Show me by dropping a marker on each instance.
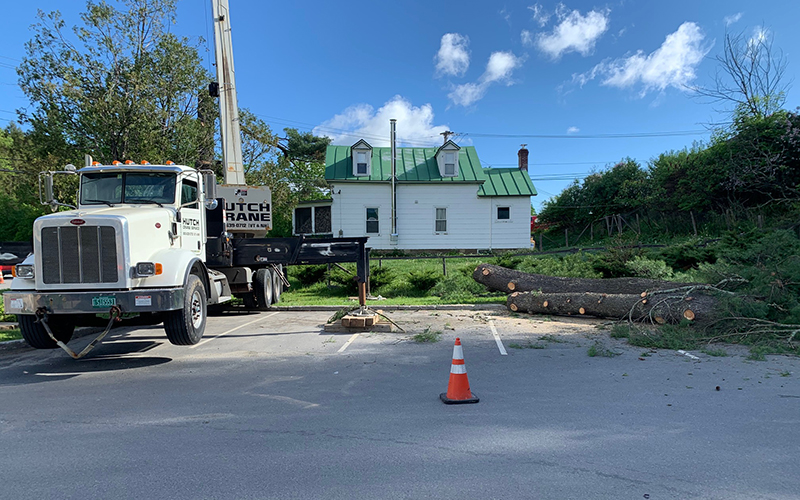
(483, 69)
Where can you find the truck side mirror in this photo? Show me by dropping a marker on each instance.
(210, 189)
(48, 188)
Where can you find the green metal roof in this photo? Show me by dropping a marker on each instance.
(506, 182)
(413, 165)
(418, 165)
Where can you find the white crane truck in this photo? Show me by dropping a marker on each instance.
(151, 241)
(155, 242)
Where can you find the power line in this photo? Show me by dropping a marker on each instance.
(552, 163)
(594, 136)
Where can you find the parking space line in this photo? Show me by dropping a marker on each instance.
(497, 339)
(355, 336)
(234, 329)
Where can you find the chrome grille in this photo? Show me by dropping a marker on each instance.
(79, 254)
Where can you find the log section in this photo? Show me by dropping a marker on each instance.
(656, 308)
(508, 280)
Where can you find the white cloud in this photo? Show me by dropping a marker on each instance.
(760, 36)
(527, 37)
(732, 18)
(573, 130)
(499, 69)
(361, 121)
(540, 15)
(467, 93)
(673, 64)
(453, 56)
(574, 33)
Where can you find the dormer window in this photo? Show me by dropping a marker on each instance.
(361, 163)
(449, 164)
(447, 159)
(362, 158)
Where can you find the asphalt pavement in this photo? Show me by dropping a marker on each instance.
(270, 406)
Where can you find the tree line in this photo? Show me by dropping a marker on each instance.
(750, 166)
(120, 85)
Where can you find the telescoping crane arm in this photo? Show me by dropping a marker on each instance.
(233, 169)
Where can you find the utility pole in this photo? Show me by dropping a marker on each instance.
(446, 134)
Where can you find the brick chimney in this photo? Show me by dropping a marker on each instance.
(523, 158)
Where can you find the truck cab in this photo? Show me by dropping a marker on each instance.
(134, 245)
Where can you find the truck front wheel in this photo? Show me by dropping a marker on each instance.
(35, 334)
(185, 326)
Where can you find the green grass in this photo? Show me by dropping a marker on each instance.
(6, 335)
(715, 352)
(758, 353)
(597, 349)
(400, 290)
(620, 331)
(427, 336)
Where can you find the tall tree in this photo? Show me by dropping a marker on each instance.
(119, 86)
(749, 75)
(292, 167)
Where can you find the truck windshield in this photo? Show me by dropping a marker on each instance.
(108, 188)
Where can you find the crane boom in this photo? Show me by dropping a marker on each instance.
(233, 170)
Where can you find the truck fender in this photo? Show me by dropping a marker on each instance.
(198, 268)
(178, 265)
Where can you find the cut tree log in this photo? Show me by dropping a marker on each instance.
(508, 280)
(660, 308)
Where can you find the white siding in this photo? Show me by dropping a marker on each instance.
(515, 232)
(471, 221)
(349, 211)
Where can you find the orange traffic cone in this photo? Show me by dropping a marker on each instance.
(458, 389)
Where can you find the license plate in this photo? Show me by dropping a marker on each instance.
(104, 301)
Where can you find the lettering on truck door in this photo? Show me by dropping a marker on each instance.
(192, 225)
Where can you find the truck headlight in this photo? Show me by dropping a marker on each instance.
(23, 271)
(144, 269)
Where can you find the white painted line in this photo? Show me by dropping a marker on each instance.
(688, 355)
(234, 329)
(497, 339)
(355, 336)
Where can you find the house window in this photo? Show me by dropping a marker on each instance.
(503, 213)
(302, 221)
(312, 220)
(373, 224)
(362, 164)
(450, 164)
(322, 220)
(441, 220)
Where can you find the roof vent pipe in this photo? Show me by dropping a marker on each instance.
(393, 141)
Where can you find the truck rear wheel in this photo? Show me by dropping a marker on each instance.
(185, 326)
(35, 334)
(277, 287)
(262, 289)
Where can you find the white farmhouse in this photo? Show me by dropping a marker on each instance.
(443, 200)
